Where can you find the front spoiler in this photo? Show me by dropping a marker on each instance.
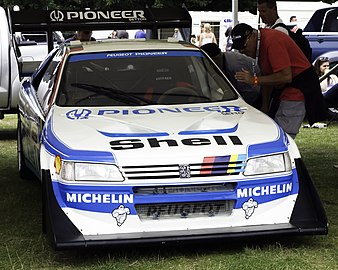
(308, 218)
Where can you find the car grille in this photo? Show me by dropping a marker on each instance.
(184, 210)
(184, 189)
(205, 169)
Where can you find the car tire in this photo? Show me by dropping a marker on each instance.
(45, 215)
(47, 227)
(24, 171)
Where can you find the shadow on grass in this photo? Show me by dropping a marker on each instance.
(8, 134)
(144, 253)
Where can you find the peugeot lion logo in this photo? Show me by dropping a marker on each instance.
(56, 16)
(184, 171)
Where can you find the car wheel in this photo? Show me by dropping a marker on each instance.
(24, 172)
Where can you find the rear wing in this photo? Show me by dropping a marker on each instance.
(152, 19)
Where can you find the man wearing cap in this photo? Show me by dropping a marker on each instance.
(285, 67)
(231, 62)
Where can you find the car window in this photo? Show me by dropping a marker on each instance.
(141, 78)
(331, 21)
(332, 65)
(39, 72)
(48, 80)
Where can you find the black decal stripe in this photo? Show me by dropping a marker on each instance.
(235, 140)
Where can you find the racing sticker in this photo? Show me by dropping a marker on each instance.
(82, 114)
(249, 207)
(120, 214)
(78, 114)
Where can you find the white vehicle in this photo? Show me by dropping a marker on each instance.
(27, 36)
(146, 141)
(21, 54)
(9, 69)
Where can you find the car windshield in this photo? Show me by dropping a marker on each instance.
(141, 78)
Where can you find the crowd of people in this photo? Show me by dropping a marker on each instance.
(283, 83)
(276, 72)
(86, 35)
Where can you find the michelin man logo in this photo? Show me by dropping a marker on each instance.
(120, 214)
(249, 207)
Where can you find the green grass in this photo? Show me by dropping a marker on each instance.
(23, 246)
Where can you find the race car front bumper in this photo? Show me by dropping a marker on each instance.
(308, 218)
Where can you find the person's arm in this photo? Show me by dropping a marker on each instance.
(334, 78)
(278, 79)
(214, 40)
(266, 97)
(200, 40)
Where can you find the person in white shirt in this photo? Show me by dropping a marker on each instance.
(207, 36)
(329, 86)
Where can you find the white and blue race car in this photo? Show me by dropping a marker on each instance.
(147, 141)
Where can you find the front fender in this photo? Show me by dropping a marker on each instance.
(293, 149)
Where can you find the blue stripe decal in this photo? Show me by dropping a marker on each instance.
(162, 134)
(111, 135)
(101, 199)
(210, 131)
(277, 146)
(106, 198)
(56, 147)
(126, 54)
(262, 191)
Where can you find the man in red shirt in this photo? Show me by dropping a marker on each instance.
(296, 88)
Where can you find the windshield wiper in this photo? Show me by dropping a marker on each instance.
(116, 94)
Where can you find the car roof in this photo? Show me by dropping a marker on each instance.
(129, 45)
(332, 55)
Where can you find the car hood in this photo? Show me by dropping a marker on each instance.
(155, 134)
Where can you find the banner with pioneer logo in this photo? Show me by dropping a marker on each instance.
(151, 19)
(107, 19)
(97, 15)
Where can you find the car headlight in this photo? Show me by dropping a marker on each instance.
(72, 171)
(268, 164)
